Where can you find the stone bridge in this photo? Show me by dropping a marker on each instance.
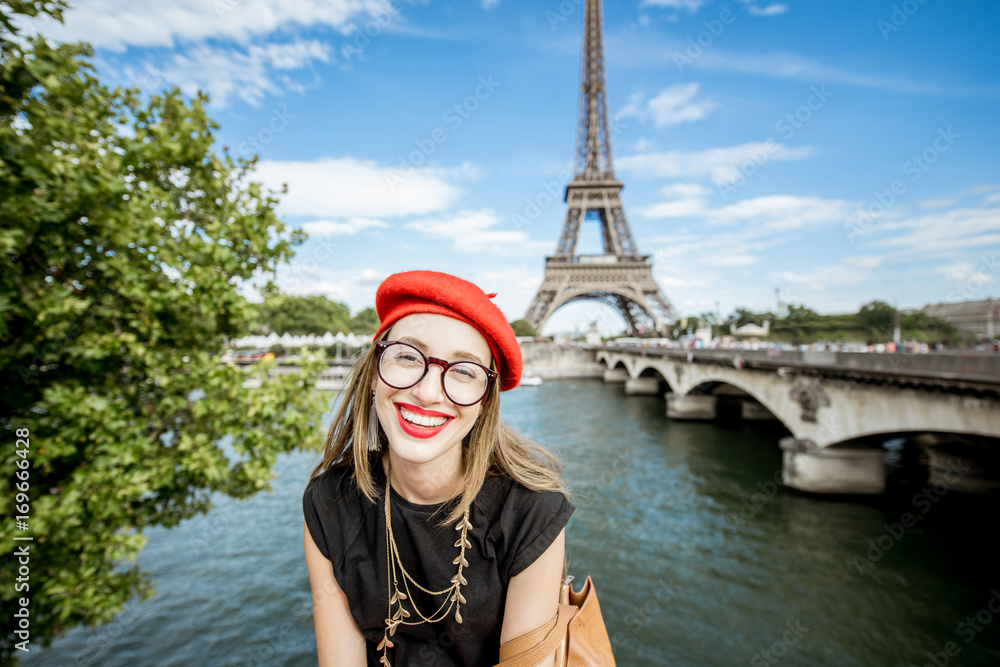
(839, 407)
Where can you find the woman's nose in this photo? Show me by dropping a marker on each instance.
(429, 389)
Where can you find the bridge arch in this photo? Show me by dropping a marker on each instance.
(632, 306)
(652, 371)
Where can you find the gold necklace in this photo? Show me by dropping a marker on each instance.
(395, 572)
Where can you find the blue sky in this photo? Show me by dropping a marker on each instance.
(836, 152)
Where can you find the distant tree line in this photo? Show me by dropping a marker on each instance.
(304, 315)
(874, 322)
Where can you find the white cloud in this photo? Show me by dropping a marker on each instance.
(348, 187)
(940, 233)
(671, 106)
(336, 291)
(490, 4)
(848, 272)
(371, 277)
(338, 228)
(689, 5)
(474, 231)
(249, 74)
(770, 10)
(781, 213)
(720, 165)
(114, 25)
(960, 270)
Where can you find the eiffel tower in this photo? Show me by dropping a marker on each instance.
(621, 277)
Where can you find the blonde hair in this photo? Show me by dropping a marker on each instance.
(490, 448)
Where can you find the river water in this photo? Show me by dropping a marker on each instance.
(698, 558)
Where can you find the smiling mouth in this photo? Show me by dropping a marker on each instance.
(421, 421)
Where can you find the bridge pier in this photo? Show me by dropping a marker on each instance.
(752, 411)
(615, 375)
(695, 407)
(960, 472)
(833, 469)
(642, 386)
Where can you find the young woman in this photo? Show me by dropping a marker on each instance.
(433, 531)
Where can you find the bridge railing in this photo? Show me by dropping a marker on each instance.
(960, 366)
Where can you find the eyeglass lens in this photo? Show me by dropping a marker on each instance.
(402, 365)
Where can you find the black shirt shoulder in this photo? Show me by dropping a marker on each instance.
(523, 523)
(335, 511)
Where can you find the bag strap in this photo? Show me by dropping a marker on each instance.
(527, 651)
(519, 645)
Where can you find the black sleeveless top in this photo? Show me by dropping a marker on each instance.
(511, 527)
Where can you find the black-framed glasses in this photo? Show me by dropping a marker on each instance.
(401, 365)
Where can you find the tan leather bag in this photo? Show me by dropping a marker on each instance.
(577, 631)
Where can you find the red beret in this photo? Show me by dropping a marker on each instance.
(411, 292)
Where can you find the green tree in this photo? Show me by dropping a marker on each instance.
(304, 315)
(123, 242)
(523, 328)
(877, 317)
(365, 322)
(802, 314)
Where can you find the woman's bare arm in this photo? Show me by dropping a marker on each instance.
(339, 642)
(533, 595)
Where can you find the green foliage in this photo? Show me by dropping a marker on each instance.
(873, 322)
(925, 328)
(365, 322)
(742, 316)
(123, 241)
(802, 314)
(878, 317)
(523, 328)
(304, 315)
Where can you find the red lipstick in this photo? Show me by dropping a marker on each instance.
(420, 431)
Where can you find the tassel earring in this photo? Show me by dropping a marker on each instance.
(373, 441)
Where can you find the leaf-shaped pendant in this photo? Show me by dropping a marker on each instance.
(458, 616)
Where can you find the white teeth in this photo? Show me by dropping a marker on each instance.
(421, 420)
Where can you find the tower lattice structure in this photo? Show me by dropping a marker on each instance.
(620, 277)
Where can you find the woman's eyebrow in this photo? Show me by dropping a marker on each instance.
(459, 354)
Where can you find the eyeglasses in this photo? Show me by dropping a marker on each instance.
(400, 365)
